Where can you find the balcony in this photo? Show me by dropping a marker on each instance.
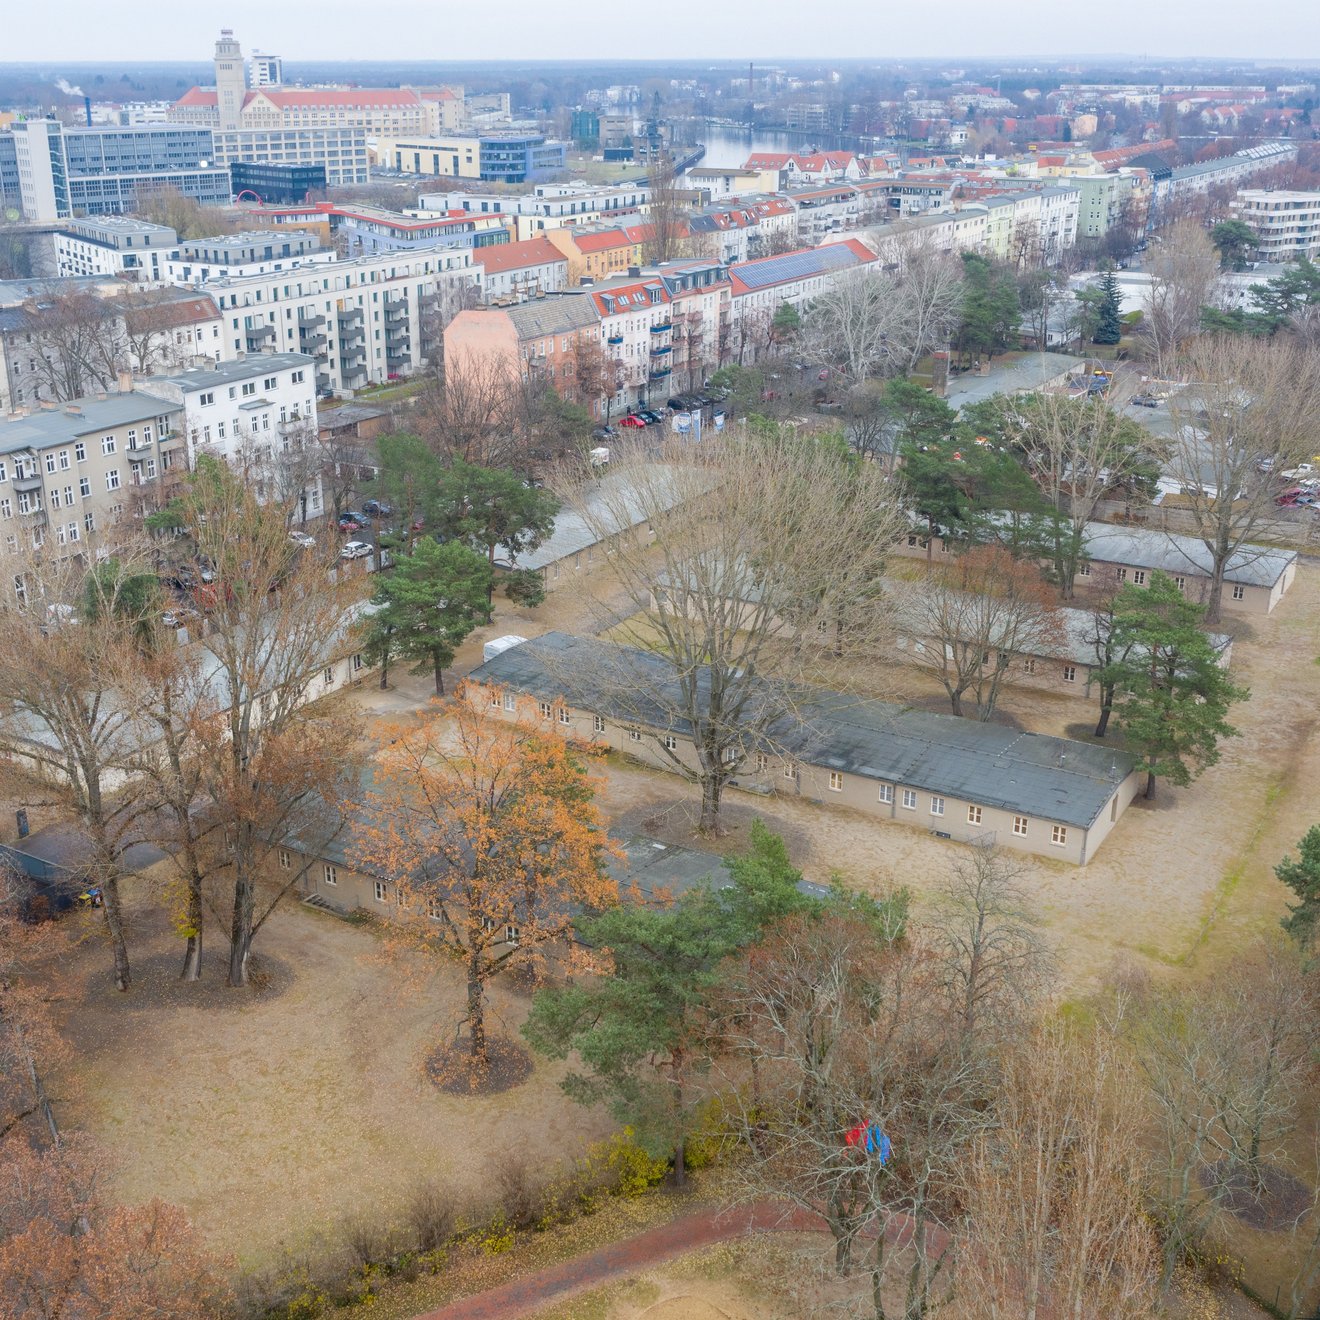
(614, 339)
(663, 328)
(310, 321)
(659, 373)
(32, 481)
(662, 350)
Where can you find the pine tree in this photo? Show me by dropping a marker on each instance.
(1109, 329)
(428, 604)
(1171, 696)
(1303, 878)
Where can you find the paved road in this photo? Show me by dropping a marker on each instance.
(631, 1256)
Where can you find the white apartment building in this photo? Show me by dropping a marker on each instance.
(198, 261)
(1287, 224)
(258, 414)
(115, 246)
(342, 149)
(363, 321)
(547, 206)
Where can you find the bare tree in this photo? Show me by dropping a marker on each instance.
(149, 318)
(1079, 451)
(1184, 274)
(850, 323)
(974, 620)
(64, 643)
(994, 961)
(1246, 417)
(278, 616)
(746, 559)
(666, 216)
(1054, 1221)
(1105, 640)
(469, 413)
(79, 342)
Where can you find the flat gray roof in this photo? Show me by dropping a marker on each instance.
(51, 426)
(258, 364)
(1031, 774)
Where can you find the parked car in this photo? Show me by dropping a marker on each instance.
(650, 416)
(347, 524)
(302, 539)
(355, 550)
(1145, 401)
(362, 519)
(377, 509)
(178, 616)
(1288, 498)
(604, 433)
(630, 420)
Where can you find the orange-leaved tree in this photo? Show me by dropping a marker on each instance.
(490, 834)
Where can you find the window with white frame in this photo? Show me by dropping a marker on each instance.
(330, 874)
(1020, 826)
(1083, 570)
(910, 799)
(1122, 574)
(598, 723)
(286, 860)
(937, 806)
(381, 891)
(107, 444)
(1239, 591)
(1139, 577)
(762, 762)
(790, 770)
(357, 663)
(973, 815)
(510, 934)
(886, 793)
(112, 479)
(671, 743)
(495, 700)
(634, 735)
(1029, 665)
(1059, 836)
(1180, 583)
(80, 452)
(836, 781)
(545, 710)
(1070, 673)
(564, 717)
(329, 676)
(510, 701)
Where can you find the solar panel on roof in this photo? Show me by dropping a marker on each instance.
(796, 266)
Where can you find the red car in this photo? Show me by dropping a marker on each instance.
(630, 420)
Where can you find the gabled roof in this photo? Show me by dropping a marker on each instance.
(633, 297)
(501, 257)
(1054, 779)
(548, 316)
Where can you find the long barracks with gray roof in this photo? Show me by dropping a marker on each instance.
(956, 778)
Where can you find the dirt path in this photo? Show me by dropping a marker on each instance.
(633, 1255)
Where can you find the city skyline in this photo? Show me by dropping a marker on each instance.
(78, 31)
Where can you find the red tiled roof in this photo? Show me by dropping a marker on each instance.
(449, 218)
(643, 288)
(512, 256)
(602, 240)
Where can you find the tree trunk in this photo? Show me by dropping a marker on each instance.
(240, 929)
(192, 953)
(439, 678)
(878, 1275)
(114, 923)
(384, 673)
(476, 1011)
(680, 1163)
(1106, 709)
(1150, 785)
(711, 790)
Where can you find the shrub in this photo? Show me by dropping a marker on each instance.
(524, 586)
(634, 1170)
(520, 1200)
(430, 1217)
(497, 1237)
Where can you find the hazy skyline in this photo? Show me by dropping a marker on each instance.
(80, 30)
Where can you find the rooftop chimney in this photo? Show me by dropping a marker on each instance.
(73, 409)
(635, 272)
(125, 381)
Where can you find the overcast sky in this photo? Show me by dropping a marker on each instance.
(695, 29)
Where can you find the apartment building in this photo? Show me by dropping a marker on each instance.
(547, 206)
(599, 253)
(1287, 224)
(33, 371)
(759, 288)
(505, 157)
(258, 414)
(198, 261)
(825, 210)
(71, 471)
(554, 339)
(368, 229)
(115, 246)
(956, 778)
(636, 331)
(748, 230)
(364, 320)
(106, 170)
(517, 271)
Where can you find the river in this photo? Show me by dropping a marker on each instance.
(728, 146)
